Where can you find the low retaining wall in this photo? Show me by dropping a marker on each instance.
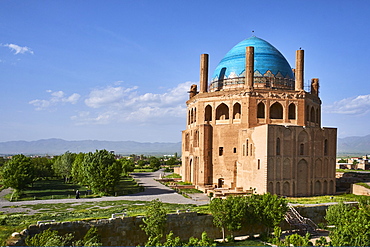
(126, 231)
(360, 190)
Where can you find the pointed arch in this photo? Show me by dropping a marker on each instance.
(276, 111)
(208, 113)
(222, 112)
(187, 141)
(286, 189)
(302, 178)
(278, 146)
(313, 117)
(236, 111)
(261, 110)
(303, 143)
(318, 188)
(292, 111)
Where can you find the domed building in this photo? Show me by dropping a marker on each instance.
(254, 127)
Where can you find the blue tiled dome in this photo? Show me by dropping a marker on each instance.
(268, 63)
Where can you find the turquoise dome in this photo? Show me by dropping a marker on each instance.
(269, 65)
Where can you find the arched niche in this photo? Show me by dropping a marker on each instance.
(292, 111)
(236, 111)
(276, 111)
(261, 110)
(208, 113)
(313, 115)
(222, 112)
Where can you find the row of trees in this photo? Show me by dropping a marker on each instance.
(100, 171)
(234, 211)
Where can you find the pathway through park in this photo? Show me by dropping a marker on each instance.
(153, 190)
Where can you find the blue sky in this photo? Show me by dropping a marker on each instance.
(119, 70)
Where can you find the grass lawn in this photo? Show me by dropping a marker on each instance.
(325, 199)
(57, 189)
(50, 189)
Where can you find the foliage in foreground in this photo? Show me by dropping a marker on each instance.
(52, 238)
(352, 225)
(18, 172)
(155, 225)
(234, 211)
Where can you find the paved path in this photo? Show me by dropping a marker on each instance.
(153, 190)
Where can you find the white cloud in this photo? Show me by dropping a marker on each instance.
(359, 105)
(18, 49)
(112, 104)
(56, 98)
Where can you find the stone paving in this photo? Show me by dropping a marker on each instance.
(153, 190)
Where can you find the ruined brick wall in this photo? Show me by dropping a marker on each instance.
(127, 232)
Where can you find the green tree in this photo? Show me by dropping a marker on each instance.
(154, 222)
(18, 172)
(171, 240)
(101, 171)
(128, 165)
(228, 213)
(142, 163)
(154, 163)
(77, 170)
(49, 238)
(352, 227)
(63, 165)
(298, 240)
(43, 167)
(268, 209)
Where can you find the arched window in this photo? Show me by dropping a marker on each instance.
(278, 146)
(192, 116)
(276, 111)
(317, 116)
(187, 142)
(189, 117)
(313, 115)
(247, 151)
(208, 113)
(195, 115)
(303, 143)
(196, 138)
(236, 111)
(291, 112)
(307, 113)
(222, 112)
(326, 147)
(261, 110)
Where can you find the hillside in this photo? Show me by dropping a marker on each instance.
(354, 145)
(59, 146)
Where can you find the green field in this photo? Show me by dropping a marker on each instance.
(57, 189)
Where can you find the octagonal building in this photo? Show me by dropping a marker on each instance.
(255, 127)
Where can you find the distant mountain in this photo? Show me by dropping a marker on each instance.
(59, 146)
(354, 145)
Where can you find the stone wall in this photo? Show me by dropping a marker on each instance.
(126, 231)
(346, 179)
(360, 190)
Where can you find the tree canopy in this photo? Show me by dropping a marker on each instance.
(101, 171)
(18, 172)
